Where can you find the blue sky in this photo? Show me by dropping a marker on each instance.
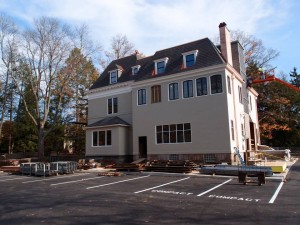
(157, 24)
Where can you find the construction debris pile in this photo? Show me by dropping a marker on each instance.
(170, 166)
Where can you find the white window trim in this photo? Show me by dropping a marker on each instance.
(112, 106)
(137, 99)
(207, 87)
(118, 71)
(182, 92)
(175, 143)
(210, 89)
(133, 68)
(171, 100)
(195, 52)
(166, 59)
(101, 146)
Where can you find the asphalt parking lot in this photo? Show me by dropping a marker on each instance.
(85, 198)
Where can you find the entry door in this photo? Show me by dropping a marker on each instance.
(143, 147)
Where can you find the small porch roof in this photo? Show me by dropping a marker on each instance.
(109, 121)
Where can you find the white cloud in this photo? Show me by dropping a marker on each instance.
(153, 25)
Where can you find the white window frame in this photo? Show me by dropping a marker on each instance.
(195, 52)
(145, 96)
(177, 91)
(113, 106)
(165, 60)
(133, 69)
(105, 138)
(192, 87)
(196, 87)
(118, 74)
(210, 84)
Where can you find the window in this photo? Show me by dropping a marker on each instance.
(201, 84)
(174, 133)
(155, 94)
(243, 130)
(102, 138)
(189, 58)
(160, 65)
(135, 69)
(229, 84)
(112, 105)
(240, 95)
(173, 91)
(250, 102)
(113, 77)
(216, 84)
(142, 97)
(232, 130)
(188, 89)
(209, 158)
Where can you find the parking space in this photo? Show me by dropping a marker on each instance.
(135, 198)
(198, 188)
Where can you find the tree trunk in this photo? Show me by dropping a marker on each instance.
(41, 142)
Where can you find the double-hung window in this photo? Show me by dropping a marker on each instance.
(188, 89)
(112, 105)
(142, 96)
(156, 94)
(240, 94)
(229, 84)
(173, 91)
(201, 84)
(113, 77)
(101, 138)
(216, 84)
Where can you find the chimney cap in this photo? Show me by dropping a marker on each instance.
(223, 24)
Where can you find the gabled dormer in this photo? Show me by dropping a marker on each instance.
(135, 69)
(160, 65)
(189, 58)
(114, 75)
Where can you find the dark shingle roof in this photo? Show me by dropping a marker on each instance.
(208, 55)
(109, 121)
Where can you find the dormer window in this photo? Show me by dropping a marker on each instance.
(160, 65)
(114, 75)
(189, 58)
(135, 69)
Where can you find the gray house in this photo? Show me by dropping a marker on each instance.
(185, 102)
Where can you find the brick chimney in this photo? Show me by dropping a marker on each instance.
(225, 42)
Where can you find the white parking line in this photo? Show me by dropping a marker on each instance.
(117, 182)
(46, 179)
(19, 178)
(272, 200)
(161, 185)
(205, 192)
(75, 181)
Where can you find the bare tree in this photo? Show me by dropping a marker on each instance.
(46, 47)
(8, 51)
(82, 41)
(254, 50)
(120, 47)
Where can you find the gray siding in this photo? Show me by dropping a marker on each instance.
(207, 114)
(98, 108)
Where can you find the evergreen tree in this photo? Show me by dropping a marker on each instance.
(25, 136)
(295, 78)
